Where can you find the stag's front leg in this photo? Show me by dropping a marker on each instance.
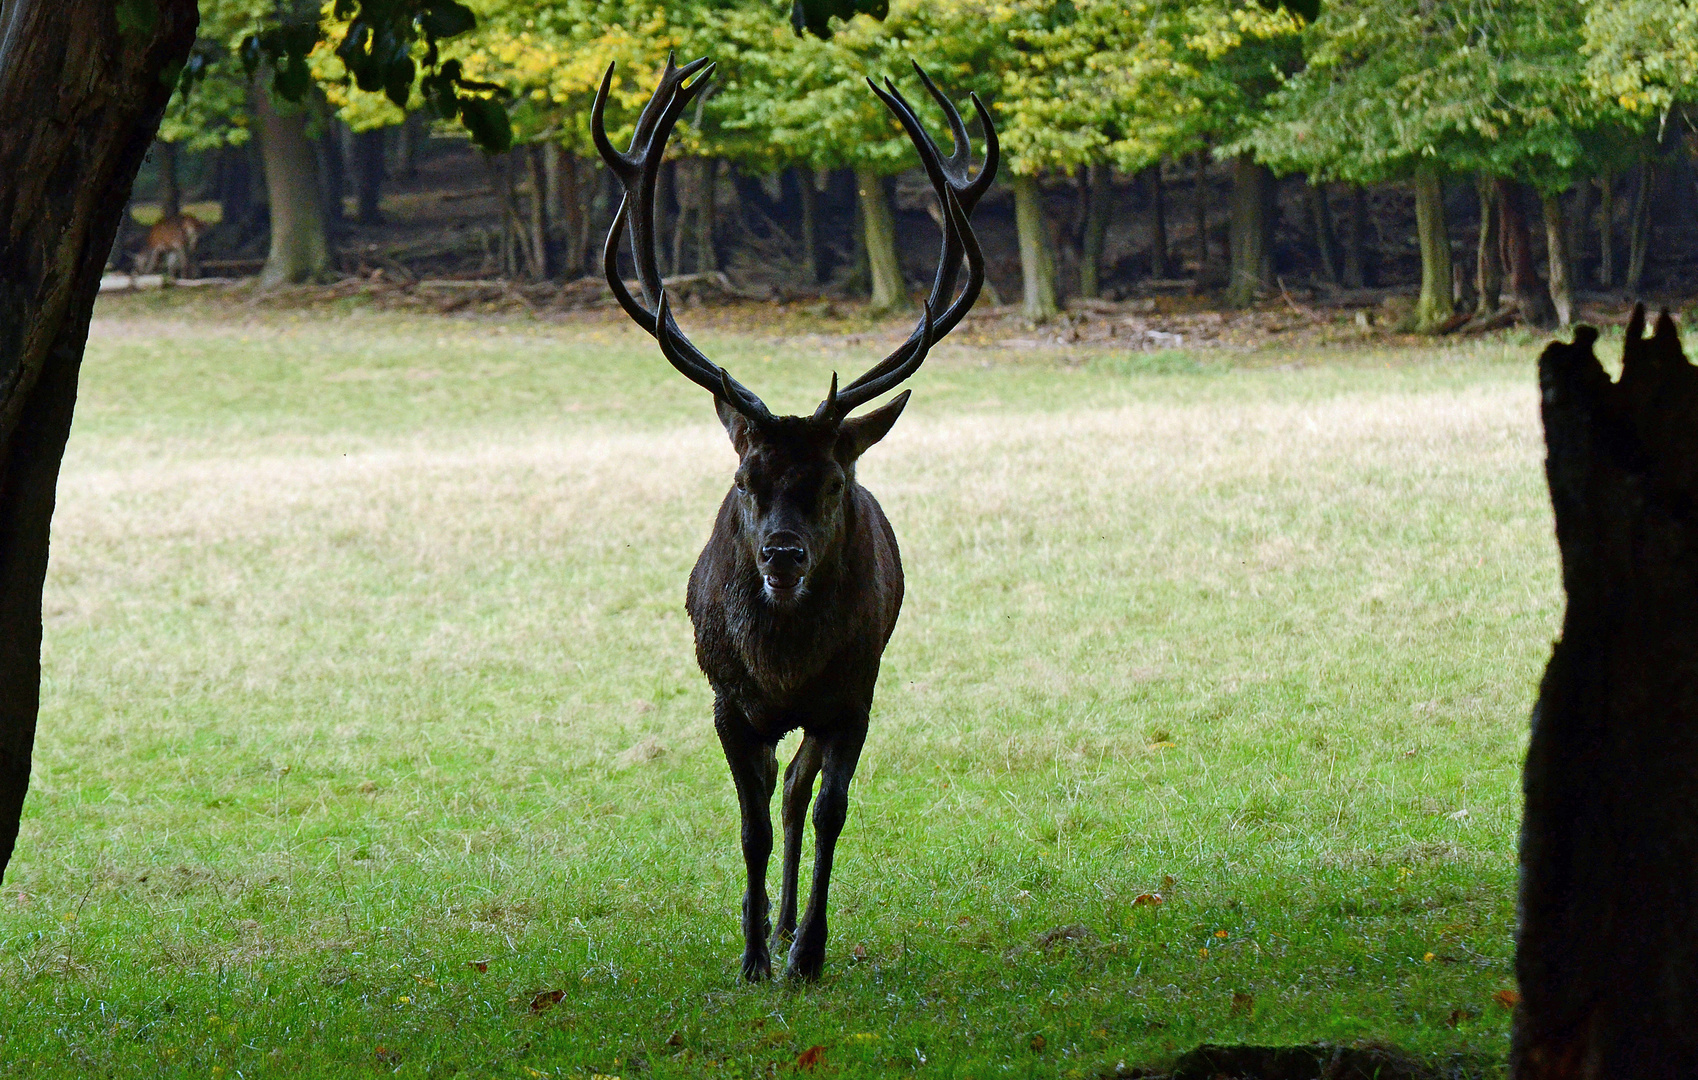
(754, 770)
(798, 791)
(839, 755)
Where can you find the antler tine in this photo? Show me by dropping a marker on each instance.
(958, 196)
(638, 170)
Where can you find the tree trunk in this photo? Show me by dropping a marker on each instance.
(1037, 263)
(807, 202)
(299, 249)
(78, 99)
(368, 174)
(1200, 206)
(577, 224)
(1099, 195)
(707, 256)
(1606, 231)
(1356, 240)
(1488, 266)
(1639, 237)
(170, 191)
(542, 266)
(1517, 253)
(1437, 301)
(1605, 956)
(1560, 262)
(1326, 245)
(1158, 224)
(883, 265)
(333, 169)
(1252, 226)
(410, 138)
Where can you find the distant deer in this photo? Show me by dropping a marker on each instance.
(172, 239)
(798, 589)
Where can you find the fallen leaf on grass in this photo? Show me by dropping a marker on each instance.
(1038, 1043)
(1150, 898)
(481, 965)
(859, 952)
(1509, 999)
(1242, 1003)
(545, 1000)
(675, 1039)
(1458, 1017)
(809, 1059)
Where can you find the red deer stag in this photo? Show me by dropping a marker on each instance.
(798, 589)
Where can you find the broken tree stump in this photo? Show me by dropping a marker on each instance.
(1607, 949)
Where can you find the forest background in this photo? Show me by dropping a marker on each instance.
(1509, 156)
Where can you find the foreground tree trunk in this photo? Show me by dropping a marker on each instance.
(1560, 260)
(299, 248)
(80, 103)
(884, 268)
(1037, 263)
(1437, 301)
(1252, 228)
(1605, 955)
(1517, 251)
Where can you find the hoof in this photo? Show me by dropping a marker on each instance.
(804, 967)
(756, 968)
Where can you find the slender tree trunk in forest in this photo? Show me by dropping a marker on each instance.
(1560, 261)
(410, 137)
(1200, 207)
(1516, 243)
(1606, 231)
(79, 100)
(707, 210)
(1037, 263)
(1356, 240)
(807, 202)
(368, 174)
(170, 191)
(1639, 234)
(575, 220)
(1326, 245)
(1099, 196)
(542, 266)
(299, 248)
(1437, 301)
(883, 266)
(554, 197)
(1158, 224)
(332, 168)
(1252, 225)
(1488, 265)
(1605, 956)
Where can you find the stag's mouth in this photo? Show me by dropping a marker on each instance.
(782, 586)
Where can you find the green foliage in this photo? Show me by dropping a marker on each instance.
(1495, 86)
(1643, 54)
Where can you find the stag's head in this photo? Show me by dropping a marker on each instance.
(795, 474)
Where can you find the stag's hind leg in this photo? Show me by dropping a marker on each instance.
(798, 791)
(839, 753)
(754, 770)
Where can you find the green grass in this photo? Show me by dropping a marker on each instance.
(371, 710)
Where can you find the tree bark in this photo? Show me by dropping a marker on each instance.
(1200, 206)
(1605, 955)
(808, 207)
(1037, 263)
(1639, 236)
(1436, 303)
(1326, 245)
(1252, 226)
(333, 169)
(1488, 266)
(299, 249)
(707, 210)
(1356, 240)
(1516, 243)
(577, 223)
(1561, 263)
(542, 266)
(1158, 224)
(170, 191)
(80, 102)
(883, 266)
(1606, 231)
(1099, 195)
(368, 175)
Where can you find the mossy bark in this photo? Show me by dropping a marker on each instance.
(1437, 303)
(884, 267)
(1037, 262)
(300, 250)
(1252, 227)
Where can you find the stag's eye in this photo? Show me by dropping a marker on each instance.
(741, 483)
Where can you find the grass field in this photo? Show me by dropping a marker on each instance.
(373, 743)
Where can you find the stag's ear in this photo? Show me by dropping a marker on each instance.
(736, 424)
(859, 433)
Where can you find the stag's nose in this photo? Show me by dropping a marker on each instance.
(784, 556)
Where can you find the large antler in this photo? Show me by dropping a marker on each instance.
(639, 168)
